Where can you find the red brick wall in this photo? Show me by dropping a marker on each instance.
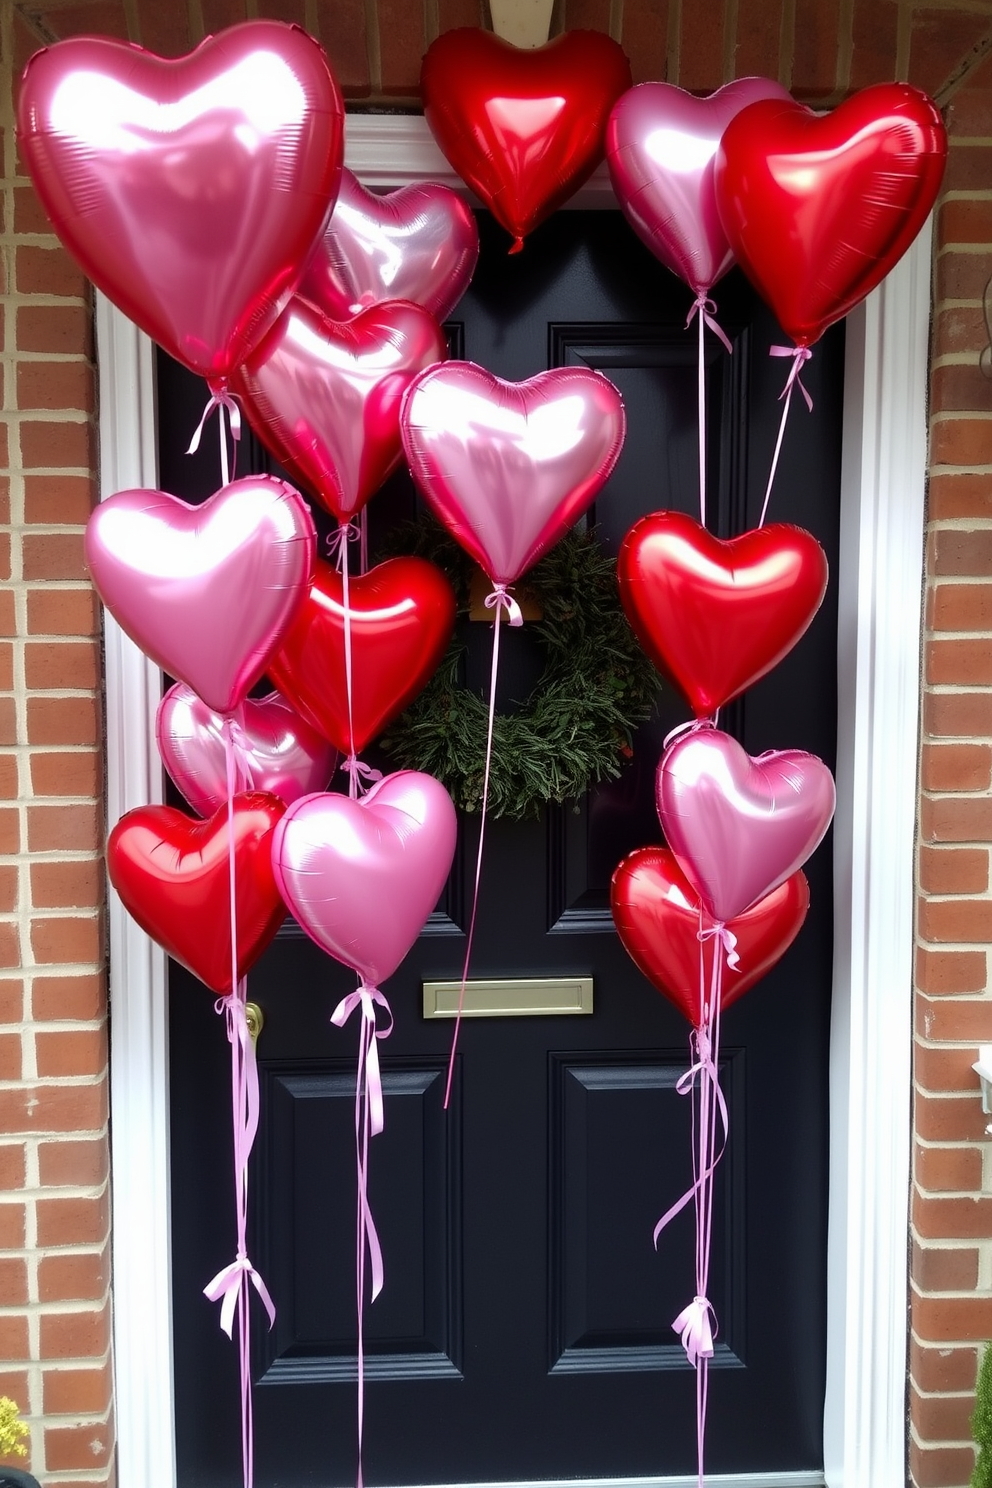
(54, 1316)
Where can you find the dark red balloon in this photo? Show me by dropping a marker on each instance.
(715, 616)
(402, 616)
(819, 209)
(657, 917)
(172, 874)
(523, 128)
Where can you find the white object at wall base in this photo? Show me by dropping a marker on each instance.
(523, 23)
(983, 1069)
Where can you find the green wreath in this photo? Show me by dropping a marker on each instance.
(577, 726)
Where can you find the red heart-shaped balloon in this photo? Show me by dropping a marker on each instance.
(715, 616)
(818, 209)
(656, 914)
(172, 875)
(325, 395)
(402, 613)
(523, 128)
(189, 189)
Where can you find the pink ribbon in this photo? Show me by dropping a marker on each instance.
(220, 400)
(346, 533)
(353, 767)
(705, 308)
(499, 599)
(693, 726)
(695, 1328)
(369, 1117)
(336, 542)
(800, 356)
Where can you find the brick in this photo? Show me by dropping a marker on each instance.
(8, 889)
(54, 500)
(950, 1118)
(11, 1000)
(8, 777)
(73, 1278)
(956, 819)
(67, 941)
(219, 14)
(942, 1418)
(814, 57)
(644, 38)
(401, 46)
(8, 622)
(756, 50)
(959, 663)
(71, 885)
(57, 445)
(65, 329)
(13, 1282)
(76, 774)
(71, 612)
(941, 39)
(69, 828)
(78, 1221)
(959, 715)
(956, 1021)
(12, 1225)
(956, 767)
(10, 830)
(63, 721)
(954, 920)
(701, 44)
(164, 29)
(29, 214)
(53, 555)
(952, 1219)
(76, 1392)
(48, 271)
(75, 1335)
(960, 276)
(55, 385)
(10, 944)
(942, 1369)
(68, 1164)
(344, 37)
(958, 388)
(80, 1052)
(12, 1166)
(950, 1270)
(873, 53)
(937, 1467)
(961, 441)
(4, 498)
(965, 552)
(8, 721)
(6, 660)
(69, 997)
(13, 1337)
(969, 166)
(594, 15)
(10, 1056)
(68, 1447)
(945, 1069)
(54, 1108)
(950, 1319)
(962, 607)
(949, 1169)
(97, 18)
(14, 1384)
(454, 13)
(61, 665)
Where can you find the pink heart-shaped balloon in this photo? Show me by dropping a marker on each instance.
(325, 396)
(740, 826)
(509, 467)
(419, 243)
(361, 877)
(190, 189)
(275, 750)
(206, 591)
(661, 144)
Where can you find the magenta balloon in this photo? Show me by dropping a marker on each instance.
(740, 826)
(206, 591)
(419, 243)
(661, 143)
(361, 877)
(325, 395)
(276, 750)
(191, 190)
(509, 467)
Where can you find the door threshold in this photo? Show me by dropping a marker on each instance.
(806, 1479)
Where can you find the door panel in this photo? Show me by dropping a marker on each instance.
(525, 1326)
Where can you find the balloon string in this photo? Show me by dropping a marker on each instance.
(705, 308)
(363, 551)
(800, 355)
(497, 600)
(346, 532)
(369, 1120)
(221, 400)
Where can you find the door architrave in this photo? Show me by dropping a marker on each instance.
(880, 603)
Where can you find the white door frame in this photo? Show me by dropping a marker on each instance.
(879, 587)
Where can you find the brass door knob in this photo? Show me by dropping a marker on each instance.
(255, 1019)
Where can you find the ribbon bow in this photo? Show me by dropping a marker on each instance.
(355, 768)
(705, 307)
(728, 941)
(502, 598)
(800, 356)
(337, 542)
(228, 1283)
(695, 1325)
(219, 398)
(692, 727)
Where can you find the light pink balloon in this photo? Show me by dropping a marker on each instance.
(419, 243)
(661, 143)
(361, 877)
(740, 826)
(274, 748)
(190, 189)
(206, 591)
(509, 467)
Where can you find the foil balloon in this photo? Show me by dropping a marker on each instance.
(173, 876)
(362, 876)
(275, 750)
(206, 591)
(190, 190)
(401, 615)
(510, 467)
(325, 396)
(523, 128)
(419, 243)
(715, 616)
(661, 143)
(818, 209)
(657, 915)
(739, 826)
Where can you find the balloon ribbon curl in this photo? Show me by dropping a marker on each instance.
(800, 355)
(705, 308)
(222, 400)
(499, 599)
(696, 1324)
(230, 1285)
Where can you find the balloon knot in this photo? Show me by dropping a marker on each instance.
(516, 246)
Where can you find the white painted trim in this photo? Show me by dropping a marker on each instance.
(880, 583)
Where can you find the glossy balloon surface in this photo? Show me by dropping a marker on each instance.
(172, 874)
(206, 591)
(509, 467)
(523, 128)
(661, 143)
(190, 190)
(819, 209)
(657, 915)
(361, 877)
(402, 616)
(740, 826)
(715, 616)
(419, 243)
(275, 749)
(325, 396)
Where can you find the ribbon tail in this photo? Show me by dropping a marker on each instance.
(695, 1330)
(263, 1292)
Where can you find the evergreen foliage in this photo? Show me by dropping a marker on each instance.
(981, 1423)
(12, 1429)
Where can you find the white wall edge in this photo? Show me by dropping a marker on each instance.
(879, 589)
